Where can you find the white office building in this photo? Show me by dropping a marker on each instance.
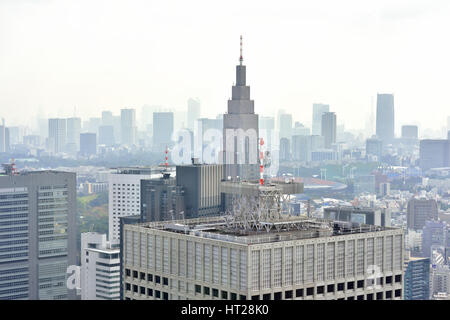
(100, 268)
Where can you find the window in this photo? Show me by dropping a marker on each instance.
(388, 294)
(299, 293)
(330, 288)
(277, 296)
(340, 286)
(310, 291)
(370, 296)
(128, 272)
(165, 281)
(360, 284)
(150, 292)
(361, 297)
(398, 293)
(198, 288)
(233, 296)
(165, 296)
(142, 276)
(158, 294)
(379, 295)
(320, 289)
(150, 277)
(242, 297)
(135, 288)
(135, 274)
(288, 294)
(206, 291)
(350, 298)
(255, 297)
(157, 279)
(142, 290)
(398, 278)
(128, 286)
(224, 295)
(215, 293)
(350, 285)
(266, 296)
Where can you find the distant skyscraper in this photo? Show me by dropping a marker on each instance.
(385, 117)
(240, 130)
(73, 134)
(163, 126)
(328, 129)
(37, 235)
(205, 136)
(266, 130)
(374, 147)
(410, 132)
(300, 130)
(193, 112)
(107, 118)
(4, 138)
(285, 149)
(286, 126)
(419, 211)
(88, 144)
(434, 234)
(128, 126)
(106, 135)
(318, 110)
(434, 154)
(57, 134)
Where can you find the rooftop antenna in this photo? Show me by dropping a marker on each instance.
(241, 59)
(261, 162)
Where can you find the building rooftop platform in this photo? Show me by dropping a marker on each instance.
(285, 229)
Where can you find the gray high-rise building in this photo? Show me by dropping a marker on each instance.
(434, 154)
(372, 216)
(419, 211)
(285, 149)
(88, 144)
(57, 135)
(73, 134)
(193, 112)
(240, 131)
(385, 118)
(266, 131)
(286, 126)
(201, 184)
(163, 127)
(107, 118)
(318, 110)
(410, 132)
(128, 128)
(4, 138)
(106, 135)
(328, 128)
(37, 235)
(374, 147)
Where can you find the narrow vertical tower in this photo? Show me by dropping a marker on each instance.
(240, 130)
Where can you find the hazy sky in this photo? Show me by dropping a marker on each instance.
(106, 54)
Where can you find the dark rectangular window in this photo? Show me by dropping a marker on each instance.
(320, 289)
(158, 294)
(398, 278)
(360, 284)
(135, 274)
(142, 290)
(350, 285)
(341, 286)
(233, 296)
(215, 293)
(255, 297)
(128, 286)
(266, 296)
(330, 288)
(165, 281)
(388, 279)
(150, 292)
(277, 296)
(135, 288)
(388, 294)
(150, 277)
(299, 293)
(351, 298)
(198, 288)
(128, 272)
(370, 296)
(157, 279)
(380, 281)
(242, 297)
(142, 276)
(206, 291)
(288, 294)
(379, 295)
(398, 293)
(360, 297)
(310, 291)
(165, 296)
(224, 295)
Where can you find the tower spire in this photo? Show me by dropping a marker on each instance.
(241, 59)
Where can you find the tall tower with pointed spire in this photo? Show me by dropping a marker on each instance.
(240, 128)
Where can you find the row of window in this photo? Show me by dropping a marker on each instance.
(148, 292)
(300, 293)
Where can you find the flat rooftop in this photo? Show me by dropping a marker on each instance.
(285, 229)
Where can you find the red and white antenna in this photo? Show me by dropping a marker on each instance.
(241, 59)
(13, 167)
(167, 150)
(261, 143)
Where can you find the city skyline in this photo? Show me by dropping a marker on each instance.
(129, 65)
